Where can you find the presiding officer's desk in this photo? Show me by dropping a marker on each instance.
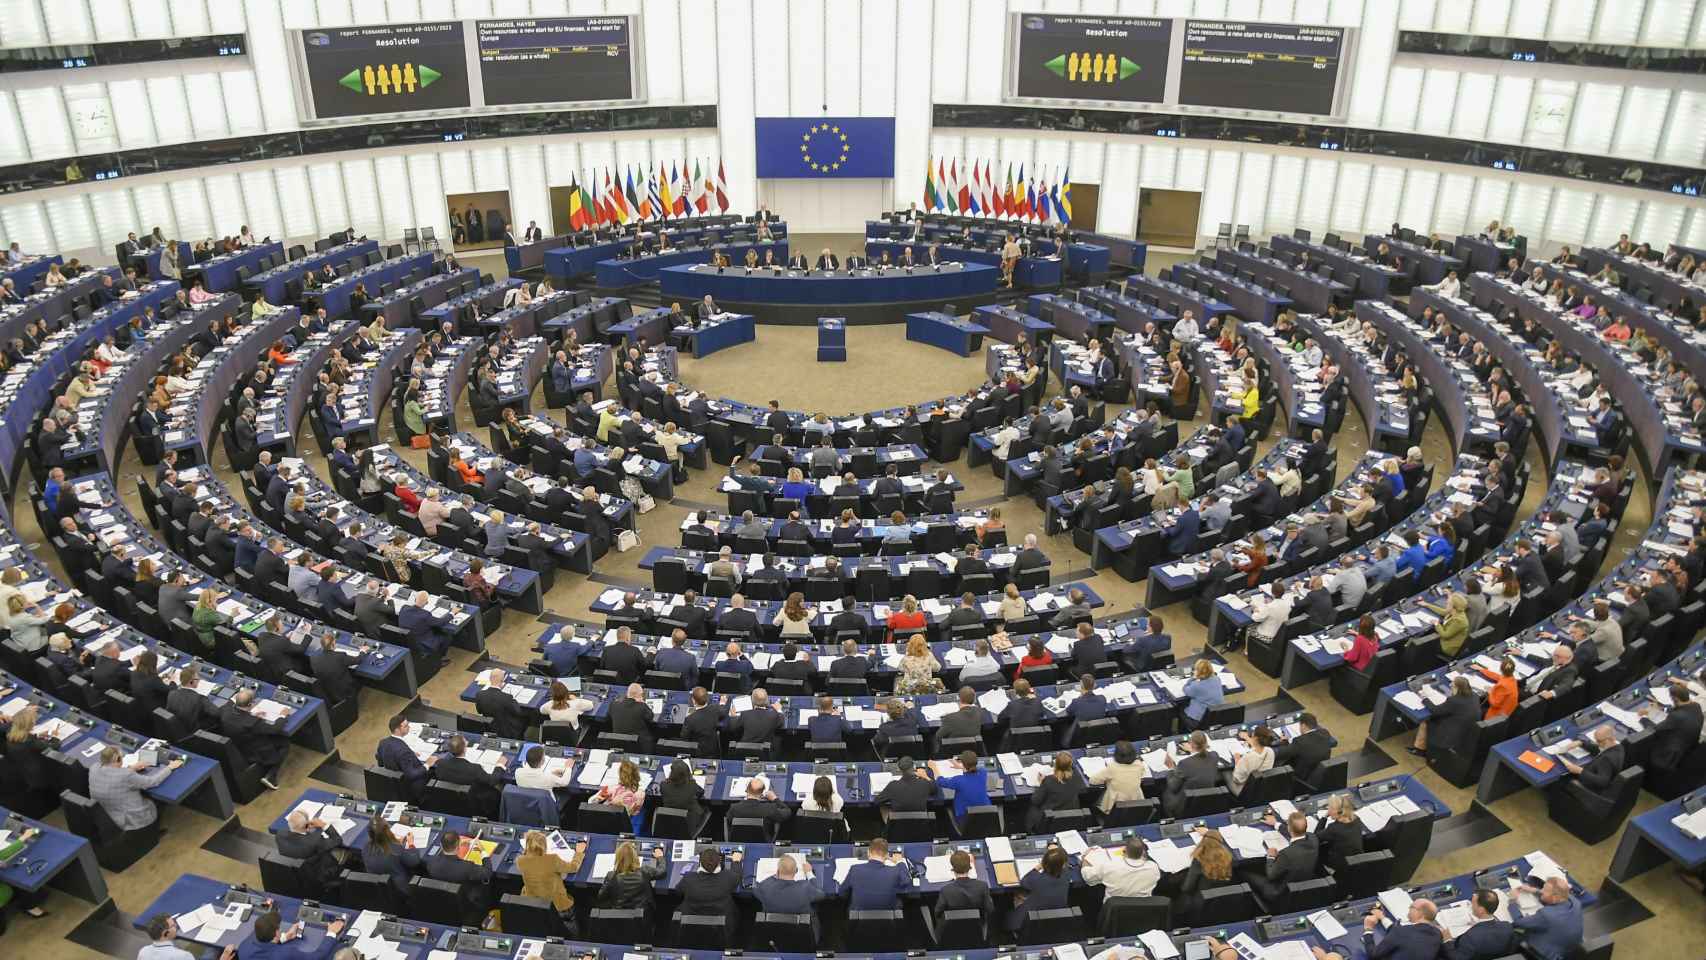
(1662, 426)
(736, 284)
(1651, 838)
(581, 255)
(1089, 261)
(629, 271)
(198, 784)
(1404, 621)
(50, 856)
(1030, 271)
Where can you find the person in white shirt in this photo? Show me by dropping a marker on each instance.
(535, 775)
(982, 664)
(1258, 758)
(1129, 873)
(823, 798)
(1003, 438)
(162, 931)
(565, 708)
(1186, 328)
(1271, 614)
(1312, 353)
(1448, 287)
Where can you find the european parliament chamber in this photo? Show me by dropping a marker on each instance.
(656, 480)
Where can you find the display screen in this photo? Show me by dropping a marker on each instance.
(386, 68)
(1283, 67)
(1092, 58)
(555, 60)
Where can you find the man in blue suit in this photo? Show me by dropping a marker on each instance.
(877, 882)
(1489, 938)
(340, 456)
(1555, 930)
(788, 892)
(1182, 535)
(1414, 939)
(563, 652)
(1413, 557)
(431, 632)
(676, 659)
(829, 726)
(1146, 645)
(394, 754)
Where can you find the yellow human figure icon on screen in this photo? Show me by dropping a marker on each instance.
(384, 80)
(409, 77)
(1072, 67)
(396, 79)
(367, 78)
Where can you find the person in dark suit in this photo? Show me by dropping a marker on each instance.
(1305, 752)
(308, 840)
(1416, 938)
(910, 792)
(737, 617)
(1558, 677)
(1298, 861)
(966, 721)
(850, 664)
(264, 742)
(1182, 533)
(709, 891)
(509, 718)
(964, 892)
(146, 687)
(183, 702)
(1197, 771)
(791, 666)
(829, 726)
(1607, 762)
(1450, 726)
(474, 879)
(704, 723)
(789, 893)
(1489, 938)
(334, 670)
(429, 632)
(622, 657)
(395, 755)
(1530, 571)
(108, 672)
(1264, 501)
(1678, 733)
(632, 715)
(760, 803)
(456, 768)
(762, 723)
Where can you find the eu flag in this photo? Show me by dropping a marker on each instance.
(812, 148)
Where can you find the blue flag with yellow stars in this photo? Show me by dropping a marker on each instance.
(810, 148)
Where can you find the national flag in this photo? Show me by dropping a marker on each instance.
(999, 195)
(631, 198)
(680, 186)
(942, 188)
(575, 221)
(722, 188)
(951, 187)
(1066, 196)
(965, 192)
(985, 199)
(1041, 202)
(973, 201)
(695, 188)
(1019, 194)
(929, 186)
(666, 200)
(594, 215)
(1031, 210)
(1054, 203)
(618, 202)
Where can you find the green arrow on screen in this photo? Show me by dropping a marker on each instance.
(1058, 67)
(1127, 68)
(352, 80)
(428, 75)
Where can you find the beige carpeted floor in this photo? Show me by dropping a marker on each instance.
(883, 369)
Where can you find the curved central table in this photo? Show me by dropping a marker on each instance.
(862, 296)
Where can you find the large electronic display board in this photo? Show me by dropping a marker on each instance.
(1095, 58)
(556, 59)
(1284, 67)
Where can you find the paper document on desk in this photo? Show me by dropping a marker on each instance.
(1289, 950)
(1326, 925)
(1160, 945)
(1170, 857)
(1396, 902)
(844, 864)
(940, 870)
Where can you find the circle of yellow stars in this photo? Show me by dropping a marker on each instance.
(806, 153)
